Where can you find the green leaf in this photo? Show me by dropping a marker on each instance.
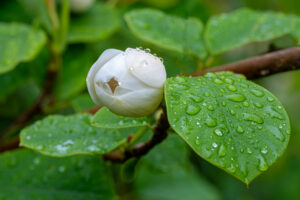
(106, 119)
(167, 31)
(68, 135)
(97, 23)
(38, 11)
(296, 31)
(26, 175)
(76, 64)
(229, 121)
(166, 173)
(228, 31)
(18, 43)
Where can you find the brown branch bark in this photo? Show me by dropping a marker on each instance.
(264, 65)
(160, 133)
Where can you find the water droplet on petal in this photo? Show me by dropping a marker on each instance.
(258, 105)
(264, 150)
(239, 129)
(210, 107)
(207, 94)
(257, 93)
(222, 151)
(210, 75)
(228, 80)
(215, 145)
(270, 99)
(276, 132)
(218, 81)
(218, 132)
(253, 117)
(246, 103)
(231, 88)
(232, 168)
(262, 165)
(249, 150)
(209, 121)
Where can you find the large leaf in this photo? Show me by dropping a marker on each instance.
(76, 64)
(26, 175)
(166, 173)
(97, 23)
(229, 121)
(68, 135)
(169, 32)
(18, 43)
(106, 119)
(228, 31)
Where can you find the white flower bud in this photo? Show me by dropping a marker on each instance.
(129, 83)
(79, 6)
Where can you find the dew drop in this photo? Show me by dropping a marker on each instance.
(228, 80)
(218, 132)
(276, 132)
(258, 105)
(249, 150)
(196, 99)
(215, 145)
(232, 168)
(197, 140)
(270, 99)
(253, 117)
(246, 103)
(273, 113)
(262, 165)
(222, 151)
(288, 132)
(232, 112)
(179, 79)
(231, 88)
(210, 121)
(264, 150)
(207, 94)
(257, 93)
(223, 103)
(210, 75)
(193, 109)
(218, 81)
(239, 129)
(236, 97)
(210, 107)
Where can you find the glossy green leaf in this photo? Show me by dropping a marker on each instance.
(167, 31)
(166, 173)
(99, 22)
(106, 119)
(68, 135)
(296, 31)
(26, 175)
(76, 63)
(18, 43)
(228, 31)
(229, 121)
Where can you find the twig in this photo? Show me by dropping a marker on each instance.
(12, 144)
(160, 133)
(264, 65)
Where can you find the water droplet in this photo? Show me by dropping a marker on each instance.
(273, 113)
(253, 117)
(246, 103)
(218, 132)
(210, 75)
(232, 112)
(223, 103)
(232, 168)
(197, 140)
(231, 88)
(179, 79)
(193, 109)
(236, 97)
(257, 93)
(28, 137)
(264, 150)
(258, 105)
(249, 150)
(195, 98)
(262, 166)
(288, 132)
(215, 145)
(218, 81)
(210, 121)
(222, 150)
(207, 94)
(210, 107)
(239, 129)
(276, 132)
(270, 99)
(228, 80)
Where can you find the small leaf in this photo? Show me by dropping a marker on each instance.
(25, 175)
(97, 23)
(167, 31)
(68, 135)
(229, 121)
(18, 43)
(228, 31)
(106, 119)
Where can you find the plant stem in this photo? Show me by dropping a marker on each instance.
(64, 27)
(264, 65)
(137, 135)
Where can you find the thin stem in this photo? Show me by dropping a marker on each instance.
(64, 27)
(261, 66)
(137, 135)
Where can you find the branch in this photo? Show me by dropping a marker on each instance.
(160, 133)
(261, 66)
(12, 144)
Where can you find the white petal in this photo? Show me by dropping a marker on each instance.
(104, 58)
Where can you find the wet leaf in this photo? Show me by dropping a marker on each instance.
(231, 122)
